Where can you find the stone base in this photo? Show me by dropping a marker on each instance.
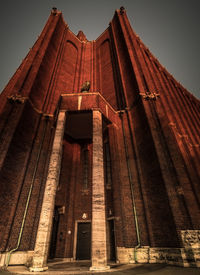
(38, 269)
(99, 268)
(17, 258)
(187, 257)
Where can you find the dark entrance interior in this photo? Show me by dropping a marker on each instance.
(79, 126)
(52, 249)
(83, 248)
(112, 240)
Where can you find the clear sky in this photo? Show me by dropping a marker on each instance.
(169, 28)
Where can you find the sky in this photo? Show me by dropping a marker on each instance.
(169, 28)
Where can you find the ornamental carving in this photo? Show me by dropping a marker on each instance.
(54, 11)
(149, 96)
(122, 10)
(16, 98)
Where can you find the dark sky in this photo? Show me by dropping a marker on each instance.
(169, 28)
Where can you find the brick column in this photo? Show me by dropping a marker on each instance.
(99, 253)
(46, 216)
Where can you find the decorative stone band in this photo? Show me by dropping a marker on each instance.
(186, 257)
(46, 216)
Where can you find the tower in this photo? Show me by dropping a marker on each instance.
(99, 150)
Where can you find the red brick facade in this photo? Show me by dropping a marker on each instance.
(151, 140)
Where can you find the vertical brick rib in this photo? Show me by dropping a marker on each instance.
(140, 178)
(159, 140)
(80, 67)
(48, 101)
(171, 181)
(92, 67)
(184, 119)
(174, 106)
(148, 106)
(32, 85)
(190, 155)
(30, 78)
(9, 129)
(188, 112)
(177, 159)
(14, 170)
(182, 170)
(141, 87)
(187, 152)
(18, 80)
(94, 85)
(192, 139)
(117, 188)
(195, 114)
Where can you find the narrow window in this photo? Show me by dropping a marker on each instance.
(107, 164)
(85, 165)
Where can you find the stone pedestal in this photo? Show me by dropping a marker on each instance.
(99, 252)
(46, 216)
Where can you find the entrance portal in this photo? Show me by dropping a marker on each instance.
(83, 248)
(112, 255)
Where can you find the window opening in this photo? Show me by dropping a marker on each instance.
(107, 163)
(85, 165)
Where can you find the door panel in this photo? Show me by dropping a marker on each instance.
(83, 249)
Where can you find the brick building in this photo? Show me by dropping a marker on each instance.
(99, 154)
